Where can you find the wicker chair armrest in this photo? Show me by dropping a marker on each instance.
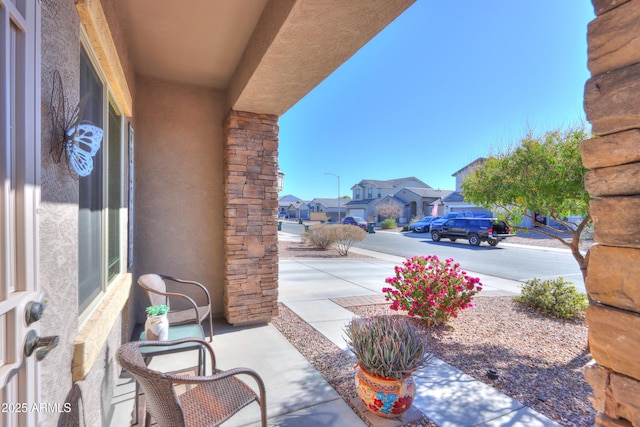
(198, 285)
(221, 375)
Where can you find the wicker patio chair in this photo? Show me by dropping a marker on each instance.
(156, 288)
(207, 401)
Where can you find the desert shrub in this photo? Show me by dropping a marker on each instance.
(389, 223)
(320, 236)
(345, 236)
(555, 296)
(387, 346)
(431, 289)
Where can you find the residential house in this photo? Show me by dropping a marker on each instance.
(369, 193)
(388, 207)
(369, 189)
(284, 203)
(412, 197)
(420, 202)
(184, 178)
(455, 201)
(293, 207)
(334, 209)
(298, 210)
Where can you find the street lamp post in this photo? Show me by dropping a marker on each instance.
(329, 173)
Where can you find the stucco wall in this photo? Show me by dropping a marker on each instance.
(58, 217)
(178, 213)
(115, 20)
(58, 232)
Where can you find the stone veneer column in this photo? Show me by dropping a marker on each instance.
(251, 205)
(612, 104)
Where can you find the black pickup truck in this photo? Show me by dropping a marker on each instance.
(476, 230)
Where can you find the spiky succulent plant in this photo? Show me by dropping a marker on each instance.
(387, 346)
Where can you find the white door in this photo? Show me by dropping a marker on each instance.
(19, 198)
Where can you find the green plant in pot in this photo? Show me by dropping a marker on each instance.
(157, 325)
(157, 310)
(389, 349)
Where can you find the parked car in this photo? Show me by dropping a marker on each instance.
(476, 230)
(356, 220)
(458, 214)
(422, 225)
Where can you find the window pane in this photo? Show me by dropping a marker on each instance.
(91, 198)
(114, 194)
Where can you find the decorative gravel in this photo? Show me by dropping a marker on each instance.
(540, 360)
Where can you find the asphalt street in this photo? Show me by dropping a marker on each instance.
(509, 261)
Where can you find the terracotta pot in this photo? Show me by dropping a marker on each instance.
(157, 328)
(384, 396)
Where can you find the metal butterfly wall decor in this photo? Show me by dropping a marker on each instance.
(77, 141)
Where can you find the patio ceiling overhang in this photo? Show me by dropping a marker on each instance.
(264, 54)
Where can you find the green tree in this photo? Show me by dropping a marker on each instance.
(540, 175)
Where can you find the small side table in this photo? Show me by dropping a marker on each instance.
(175, 333)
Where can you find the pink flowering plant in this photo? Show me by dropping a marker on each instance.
(431, 289)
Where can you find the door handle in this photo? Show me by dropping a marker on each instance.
(33, 310)
(45, 344)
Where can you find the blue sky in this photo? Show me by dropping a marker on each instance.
(445, 83)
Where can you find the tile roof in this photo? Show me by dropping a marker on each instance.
(429, 192)
(454, 197)
(329, 203)
(389, 183)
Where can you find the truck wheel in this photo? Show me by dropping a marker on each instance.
(435, 236)
(474, 240)
(493, 242)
